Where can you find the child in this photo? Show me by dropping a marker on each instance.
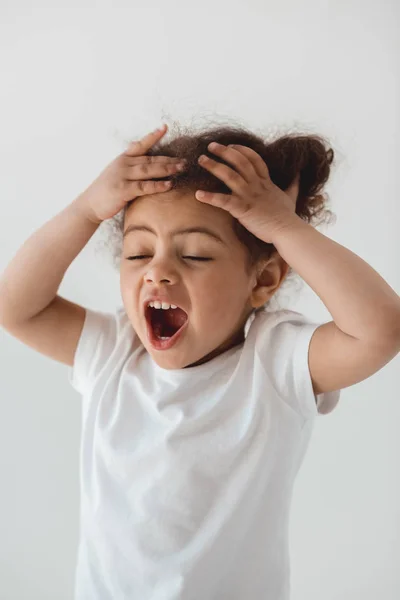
(198, 401)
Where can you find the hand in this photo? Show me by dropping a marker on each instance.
(257, 203)
(125, 179)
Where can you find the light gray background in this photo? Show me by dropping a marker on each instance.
(77, 81)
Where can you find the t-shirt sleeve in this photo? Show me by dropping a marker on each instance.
(97, 341)
(310, 403)
(285, 347)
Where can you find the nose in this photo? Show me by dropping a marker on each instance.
(161, 271)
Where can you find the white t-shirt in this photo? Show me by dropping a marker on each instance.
(187, 475)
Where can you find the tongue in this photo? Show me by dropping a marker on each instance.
(175, 317)
(167, 322)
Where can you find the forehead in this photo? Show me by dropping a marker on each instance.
(167, 211)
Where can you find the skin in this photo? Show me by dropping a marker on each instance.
(218, 295)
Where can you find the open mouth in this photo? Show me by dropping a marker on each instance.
(164, 326)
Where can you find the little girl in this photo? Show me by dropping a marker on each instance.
(198, 401)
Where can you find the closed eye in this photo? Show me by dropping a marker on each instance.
(189, 257)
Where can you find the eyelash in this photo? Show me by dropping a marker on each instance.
(200, 258)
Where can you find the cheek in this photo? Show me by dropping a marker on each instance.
(216, 302)
(224, 295)
(128, 286)
(127, 275)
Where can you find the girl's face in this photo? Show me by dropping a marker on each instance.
(216, 294)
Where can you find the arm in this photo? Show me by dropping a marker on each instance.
(30, 309)
(365, 332)
(31, 280)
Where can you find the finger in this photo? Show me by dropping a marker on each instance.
(152, 170)
(232, 179)
(142, 188)
(258, 163)
(241, 162)
(131, 161)
(142, 146)
(228, 202)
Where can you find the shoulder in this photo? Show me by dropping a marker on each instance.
(105, 337)
(283, 323)
(282, 341)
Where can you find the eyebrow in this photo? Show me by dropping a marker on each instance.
(196, 229)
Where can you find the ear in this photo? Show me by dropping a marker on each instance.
(268, 277)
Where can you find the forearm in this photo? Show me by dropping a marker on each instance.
(32, 278)
(360, 301)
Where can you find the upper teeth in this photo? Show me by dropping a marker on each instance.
(163, 305)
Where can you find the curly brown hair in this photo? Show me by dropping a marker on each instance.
(308, 155)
